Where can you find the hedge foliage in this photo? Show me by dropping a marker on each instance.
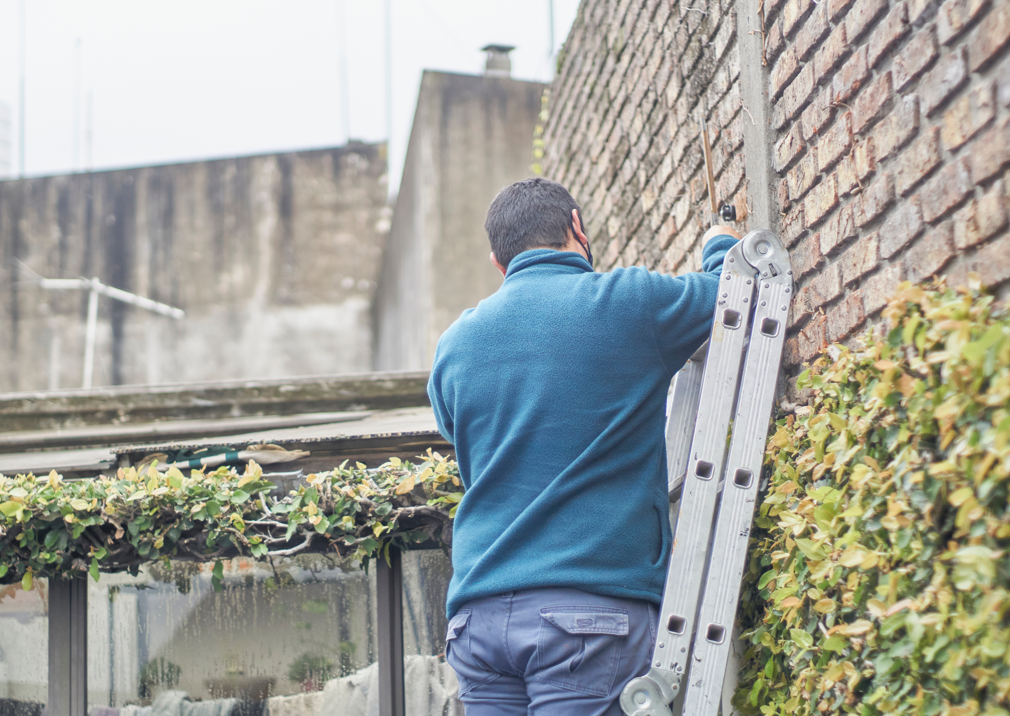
(55, 528)
(879, 572)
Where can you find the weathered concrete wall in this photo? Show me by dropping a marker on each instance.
(888, 130)
(274, 259)
(471, 136)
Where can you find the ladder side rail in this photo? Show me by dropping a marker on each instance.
(681, 420)
(650, 695)
(704, 685)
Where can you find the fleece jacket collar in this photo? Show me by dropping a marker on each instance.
(566, 261)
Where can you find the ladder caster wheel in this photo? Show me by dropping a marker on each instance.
(643, 697)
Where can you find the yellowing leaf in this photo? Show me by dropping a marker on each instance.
(406, 485)
(959, 497)
(824, 606)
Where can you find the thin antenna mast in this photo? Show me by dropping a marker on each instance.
(345, 103)
(76, 166)
(21, 123)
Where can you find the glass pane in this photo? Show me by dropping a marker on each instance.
(24, 648)
(429, 682)
(281, 633)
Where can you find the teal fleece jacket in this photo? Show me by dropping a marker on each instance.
(553, 393)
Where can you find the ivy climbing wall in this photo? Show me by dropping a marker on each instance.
(887, 136)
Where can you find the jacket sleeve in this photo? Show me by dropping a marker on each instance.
(683, 306)
(443, 418)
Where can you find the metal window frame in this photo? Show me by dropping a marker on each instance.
(68, 647)
(68, 642)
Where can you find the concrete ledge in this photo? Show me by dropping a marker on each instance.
(134, 404)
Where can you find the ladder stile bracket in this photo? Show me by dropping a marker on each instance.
(711, 538)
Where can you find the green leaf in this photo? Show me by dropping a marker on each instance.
(26, 581)
(93, 569)
(10, 508)
(802, 638)
(239, 496)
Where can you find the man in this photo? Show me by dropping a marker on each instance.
(553, 393)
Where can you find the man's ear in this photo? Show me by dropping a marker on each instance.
(497, 264)
(577, 228)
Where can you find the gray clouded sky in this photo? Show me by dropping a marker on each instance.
(193, 79)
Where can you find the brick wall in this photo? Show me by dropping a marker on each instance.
(622, 132)
(891, 139)
(889, 136)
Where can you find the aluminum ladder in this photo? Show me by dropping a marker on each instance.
(737, 379)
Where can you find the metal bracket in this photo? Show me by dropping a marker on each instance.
(652, 694)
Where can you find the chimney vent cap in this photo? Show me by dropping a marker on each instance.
(498, 63)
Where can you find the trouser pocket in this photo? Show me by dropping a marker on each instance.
(579, 648)
(470, 671)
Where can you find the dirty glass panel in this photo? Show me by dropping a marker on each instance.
(277, 639)
(24, 648)
(429, 682)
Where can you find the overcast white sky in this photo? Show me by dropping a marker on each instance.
(194, 79)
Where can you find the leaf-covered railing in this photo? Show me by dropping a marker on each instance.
(50, 527)
(879, 578)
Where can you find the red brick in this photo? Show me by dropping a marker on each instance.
(844, 318)
(837, 230)
(870, 102)
(914, 57)
(845, 175)
(783, 194)
(794, 12)
(945, 190)
(849, 77)
(968, 115)
(859, 259)
(992, 262)
(835, 142)
(880, 287)
(837, 7)
(887, 33)
(930, 253)
(817, 115)
(801, 177)
(863, 13)
(954, 16)
(821, 199)
(918, 10)
(806, 257)
(792, 227)
(830, 54)
(788, 148)
(824, 287)
(864, 158)
(989, 37)
(812, 32)
(991, 151)
(918, 160)
(797, 94)
(901, 226)
(774, 41)
(981, 218)
(1003, 82)
(783, 71)
(771, 7)
(874, 200)
(939, 83)
(811, 340)
(897, 127)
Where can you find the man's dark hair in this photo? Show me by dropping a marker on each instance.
(532, 212)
